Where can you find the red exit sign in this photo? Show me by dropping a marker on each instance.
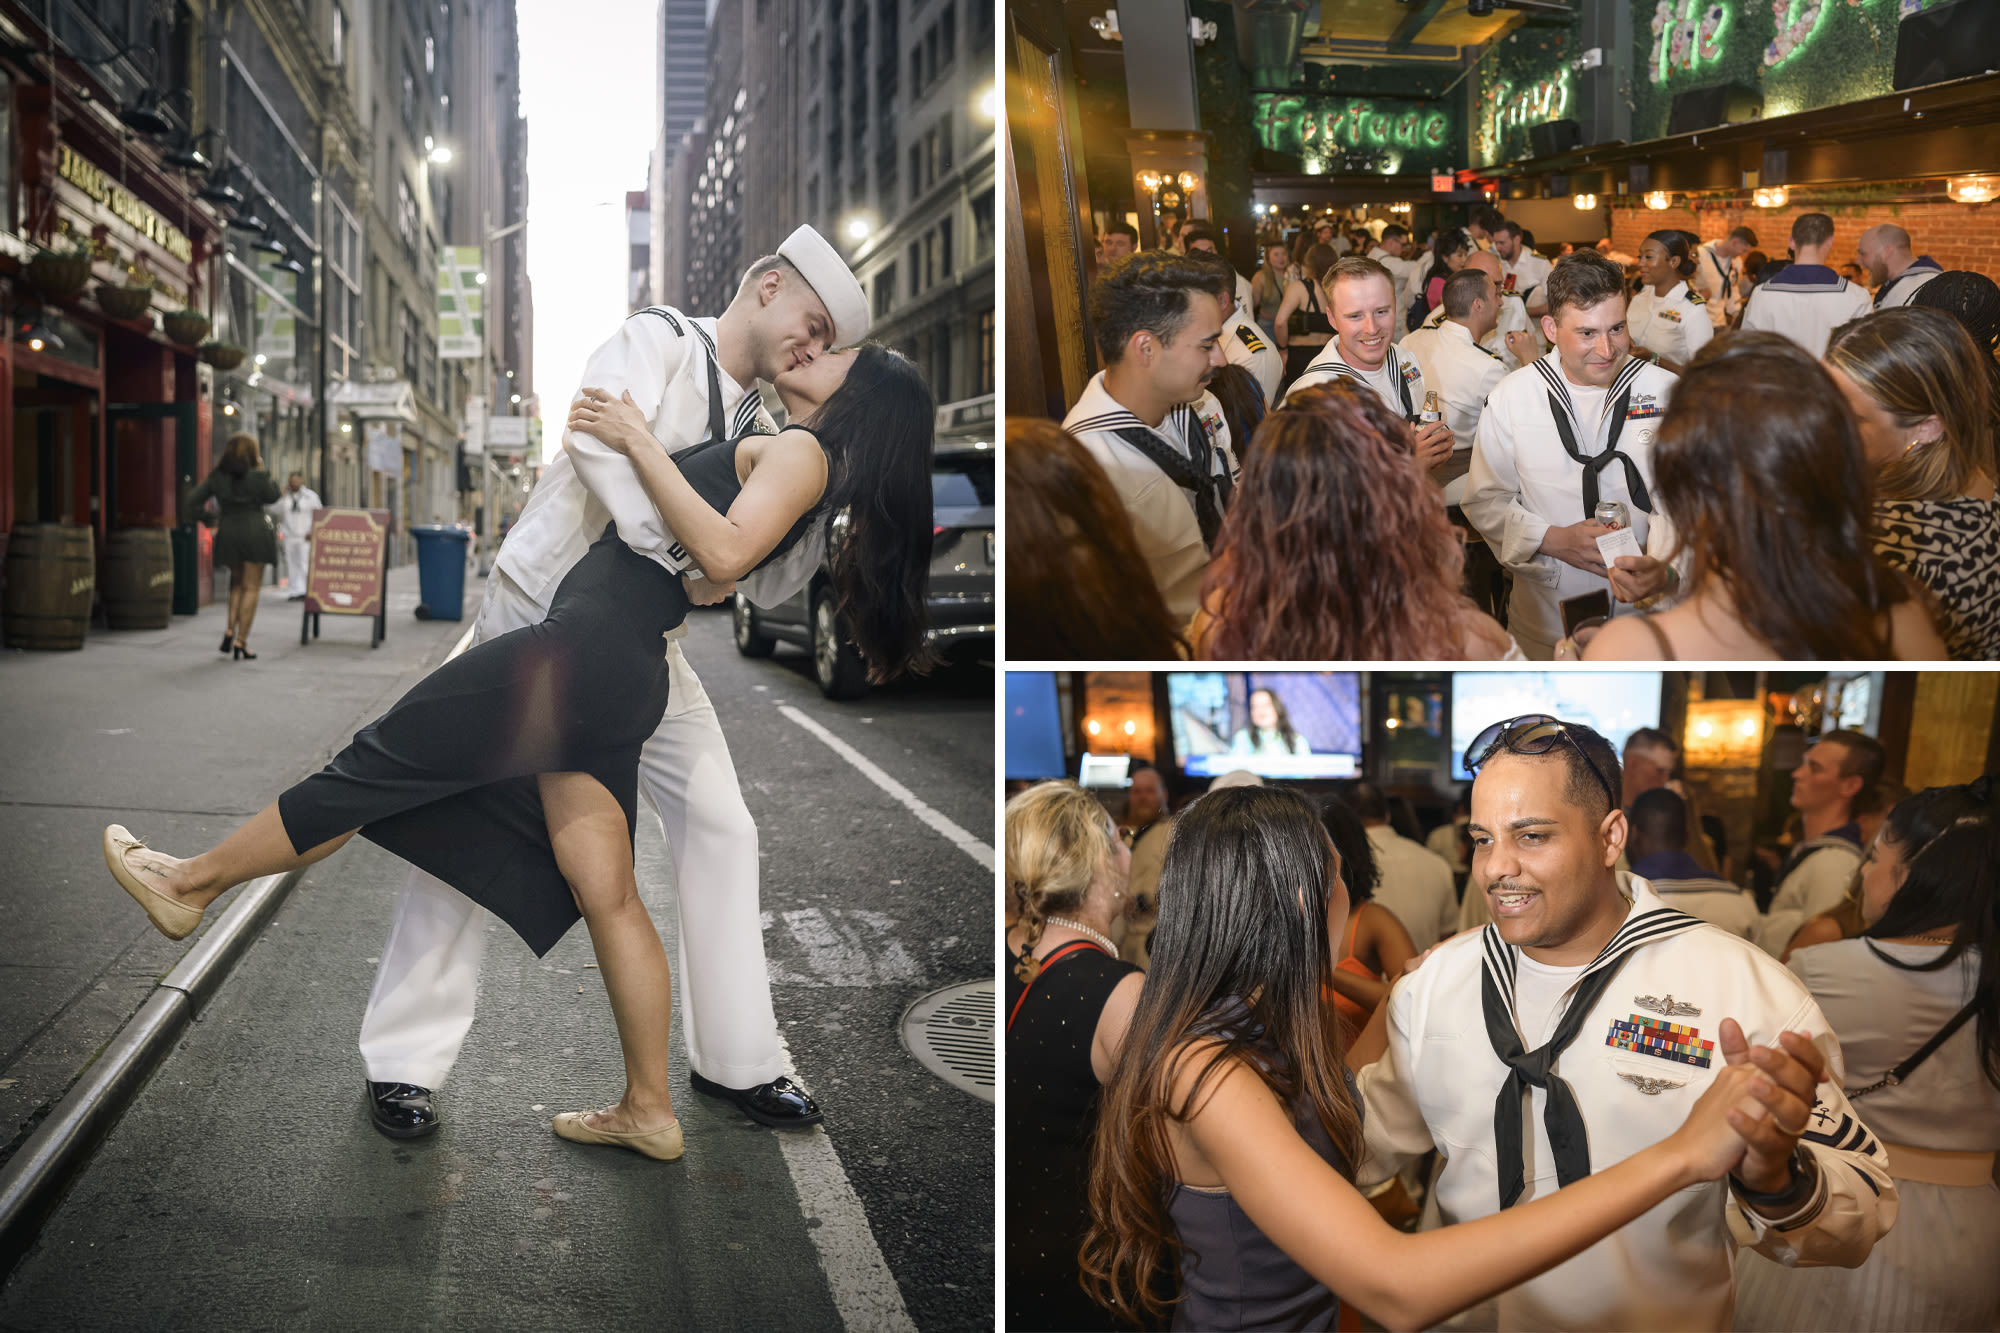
(1443, 184)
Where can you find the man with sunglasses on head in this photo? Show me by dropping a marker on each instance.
(1578, 1028)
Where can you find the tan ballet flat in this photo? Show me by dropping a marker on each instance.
(663, 1144)
(174, 918)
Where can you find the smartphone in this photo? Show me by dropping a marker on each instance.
(1590, 606)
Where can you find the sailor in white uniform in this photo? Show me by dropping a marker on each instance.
(1666, 317)
(1556, 437)
(293, 513)
(1513, 337)
(1718, 274)
(1896, 272)
(695, 380)
(1524, 272)
(1243, 343)
(1806, 301)
(1578, 1029)
(1148, 421)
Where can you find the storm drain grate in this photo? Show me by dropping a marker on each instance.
(950, 1032)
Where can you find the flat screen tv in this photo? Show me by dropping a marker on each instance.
(1613, 703)
(1276, 724)
(1034, 727)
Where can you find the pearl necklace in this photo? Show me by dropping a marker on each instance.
(1086, 931)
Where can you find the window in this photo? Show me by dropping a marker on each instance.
(916, 258)
(412, 355)
(948, 33)
(944, 248)
(430, 54)
(916, 69)
(812, 62)
(406, 218)
(885, 291)
(409, 98)
(986, 352)
(982, 224)
(339, 37)
(931, 53)
(916, 172)
(930, 260)
(944, 144)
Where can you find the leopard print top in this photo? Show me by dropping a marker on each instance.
(1952, 547)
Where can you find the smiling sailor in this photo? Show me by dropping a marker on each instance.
(1578, 1029)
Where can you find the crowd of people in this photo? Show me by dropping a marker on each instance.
(1376, 449)
(1263, 1063)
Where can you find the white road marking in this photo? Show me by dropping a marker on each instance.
(952, 833)
(864, 1291)
(851, 948)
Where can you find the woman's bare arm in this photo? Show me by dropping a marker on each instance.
(1112, 1023)
(1241, 1135)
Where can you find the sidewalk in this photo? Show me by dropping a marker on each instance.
(158, 731)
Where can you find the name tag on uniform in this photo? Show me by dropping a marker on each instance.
(1677, 1042)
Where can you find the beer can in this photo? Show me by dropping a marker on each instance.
(1611, 513)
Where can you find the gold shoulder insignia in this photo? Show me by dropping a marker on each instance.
(1249, 338)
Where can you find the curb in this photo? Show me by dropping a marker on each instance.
(34, 1178)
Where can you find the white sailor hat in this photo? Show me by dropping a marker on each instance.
(828, 275)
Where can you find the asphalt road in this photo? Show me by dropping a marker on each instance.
(245, 1182)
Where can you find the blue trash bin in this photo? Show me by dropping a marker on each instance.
(440, 572)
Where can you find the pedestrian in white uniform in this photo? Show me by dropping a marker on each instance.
(1243, 341)
(1559, 435)
(1148, 421)
(692, 378)
(1896, 272)
(1806, 301)
(1512, 337)
(1718, 274)
(1820, 871)
(1666, 318)
(1578, 1029)
(293, 512)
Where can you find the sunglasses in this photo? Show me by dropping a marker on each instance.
(1530, 734)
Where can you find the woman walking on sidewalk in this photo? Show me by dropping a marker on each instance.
(511, 772)
(245, 545)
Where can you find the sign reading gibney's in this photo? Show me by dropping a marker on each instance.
(86, 176)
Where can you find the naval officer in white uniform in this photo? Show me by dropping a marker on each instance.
(695, 380)
(293, 513)
(1578, 1029)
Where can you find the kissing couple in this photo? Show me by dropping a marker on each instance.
(509, 777)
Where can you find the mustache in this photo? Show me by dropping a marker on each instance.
(1510, 886)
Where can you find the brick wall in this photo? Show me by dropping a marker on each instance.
(1958, 236)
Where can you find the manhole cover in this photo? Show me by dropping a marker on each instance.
(950, 1031)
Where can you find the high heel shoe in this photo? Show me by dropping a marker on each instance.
(228, 642)
(174, 918)
(662, 1144)
(244, 654)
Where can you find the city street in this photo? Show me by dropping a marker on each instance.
(245, 1181)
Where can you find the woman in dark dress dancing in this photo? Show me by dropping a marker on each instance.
(511, 772)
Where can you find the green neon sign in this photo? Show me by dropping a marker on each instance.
(1687, 34)
(1315, 126)
(1510, 107)
(1798, 20)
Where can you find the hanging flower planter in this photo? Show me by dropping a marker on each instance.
(185, 327)
(124, 302)
(59, 274)
(221, 355)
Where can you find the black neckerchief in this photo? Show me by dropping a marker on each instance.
(1728, 279)
(1617, 399)
(1568, 1135)
(1194, 471)
(1395, 367)
(716, 424)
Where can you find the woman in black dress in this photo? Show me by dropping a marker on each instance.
(511, 772)
(245, 545)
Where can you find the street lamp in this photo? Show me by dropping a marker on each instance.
(859, 228)
(988, 104)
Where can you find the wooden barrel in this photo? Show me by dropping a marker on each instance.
(51, 574)
(139, 579)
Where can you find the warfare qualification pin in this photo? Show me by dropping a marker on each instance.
(1652, 1087)
(1667, 1008)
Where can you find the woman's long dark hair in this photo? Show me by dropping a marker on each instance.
(1759, 465)
(877, 429)
(1245, 893)
(1950, 843)
(1287, 736)
(1357, 855)
(1076, 584)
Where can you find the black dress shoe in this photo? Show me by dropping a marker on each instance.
(780, 1104)
(402, 1110)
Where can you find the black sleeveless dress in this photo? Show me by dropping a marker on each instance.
(446, 778)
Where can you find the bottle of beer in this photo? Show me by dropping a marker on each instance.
(1433, 409)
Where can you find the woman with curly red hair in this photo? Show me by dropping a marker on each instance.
(1337, 546)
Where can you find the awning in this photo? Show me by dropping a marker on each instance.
(389, 400)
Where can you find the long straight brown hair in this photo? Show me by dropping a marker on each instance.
(1245, 893)
(1920, 363)
(1759, 465)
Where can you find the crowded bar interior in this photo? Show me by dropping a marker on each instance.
(1788, 823)
(1764, 204)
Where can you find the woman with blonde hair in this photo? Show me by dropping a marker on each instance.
(244, 540)
(1068, 1001)
(1922, 399)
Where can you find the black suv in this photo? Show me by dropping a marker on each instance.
(959, 598)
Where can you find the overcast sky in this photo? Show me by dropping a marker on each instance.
(587, 74)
